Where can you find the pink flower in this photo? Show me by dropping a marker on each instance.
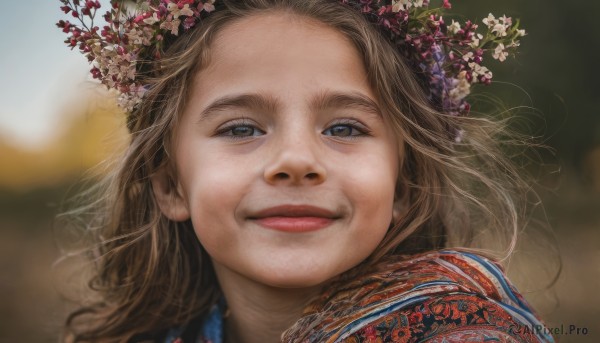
(171, 25)
(450, 55)
(208, 6)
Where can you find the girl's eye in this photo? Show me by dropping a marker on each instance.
(242, 131)
(349, 129)
(239, 130)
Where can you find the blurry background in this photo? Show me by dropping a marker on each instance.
(55, 125)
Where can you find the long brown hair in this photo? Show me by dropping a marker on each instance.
(152, 273)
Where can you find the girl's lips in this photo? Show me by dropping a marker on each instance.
(295, 224)
(290, 210)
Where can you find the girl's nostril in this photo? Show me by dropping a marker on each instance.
(312, 175)
(282, 176)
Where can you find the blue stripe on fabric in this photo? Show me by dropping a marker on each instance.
(524, 310)
(435, 283)
(531, 318)
(492, 268)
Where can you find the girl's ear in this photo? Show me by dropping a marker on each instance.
(169, 197)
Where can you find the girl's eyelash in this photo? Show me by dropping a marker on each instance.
(352, 123)
(234, 124)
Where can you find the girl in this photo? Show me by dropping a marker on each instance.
(297, 171)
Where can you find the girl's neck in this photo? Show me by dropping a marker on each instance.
(260, 313)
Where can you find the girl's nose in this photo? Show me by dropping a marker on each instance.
(295, 160)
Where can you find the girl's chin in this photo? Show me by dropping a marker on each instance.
(294, 281)
(298, 276)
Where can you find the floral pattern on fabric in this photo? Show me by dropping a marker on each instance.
(437, 297)
(445, 296)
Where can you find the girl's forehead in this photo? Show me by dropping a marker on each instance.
(283, 51)
(268, 20)
(273, 31)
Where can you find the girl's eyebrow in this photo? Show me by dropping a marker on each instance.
(323, 100)
(355, 99)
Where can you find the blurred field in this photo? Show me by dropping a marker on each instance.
(33, 185)
(32, 310)
(575, 217)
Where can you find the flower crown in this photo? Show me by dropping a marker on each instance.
(448, 58)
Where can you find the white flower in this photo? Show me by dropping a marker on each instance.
(506, 20)
(129, 100)
(140, 36)
(476, 39)
(468, 56)
(403, 5)
(209, 6)
(459, 135)
(499, 26)
(514, 44)
(400, 5)
(186, 11)
(479, 70)
(462, 87)
(173, 8)
(135, 36)
(490, 21)
(172, 26)
(151, 20)
(176, 12)
(454, 27)
(500, 29)
(500, 53)
(521, 33)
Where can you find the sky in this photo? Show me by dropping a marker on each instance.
(39, 75)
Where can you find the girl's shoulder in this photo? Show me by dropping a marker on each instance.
(442, 296)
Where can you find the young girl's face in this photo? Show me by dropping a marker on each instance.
(284, 116)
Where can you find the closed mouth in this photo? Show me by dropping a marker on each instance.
(295, 211)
